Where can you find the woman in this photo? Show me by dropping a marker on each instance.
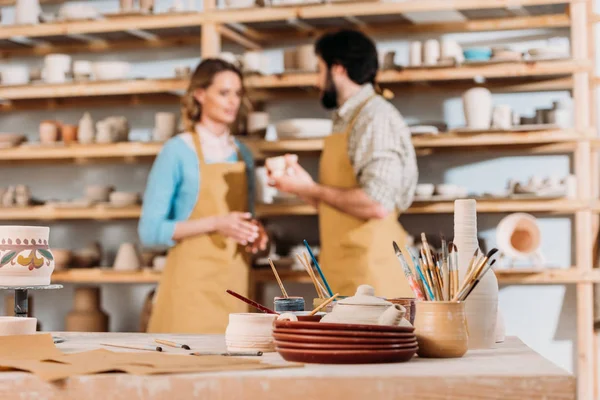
(197, 201)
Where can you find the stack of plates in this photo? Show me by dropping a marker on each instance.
(328, 343)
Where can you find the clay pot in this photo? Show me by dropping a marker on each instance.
(49, 132)
(25, 257)
(441, 329)
(87, 316)
(250, 332)
(165, 126)
(17, 326)
(87, 257)
(307, 58)
(127, 258)
(62, 259)
(69, 133)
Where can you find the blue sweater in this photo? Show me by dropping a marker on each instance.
(173, 186)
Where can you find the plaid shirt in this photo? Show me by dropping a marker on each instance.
(380, 149)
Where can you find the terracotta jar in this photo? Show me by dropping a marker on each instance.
(441, 329)
(69, 133)
(87, 316)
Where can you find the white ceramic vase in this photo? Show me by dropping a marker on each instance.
(25, 256)
(250, 331)
(482, 304)
(477, 105)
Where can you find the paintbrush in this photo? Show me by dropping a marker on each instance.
(318, 268)
(474, 261)
(278, 279)
(229, 354)
(464, 297)
(172, 344)
(418, 273)
(444, 249)
(476, 273)
(309, 266)
(133, 347)
(251, 302)
(426, 286)
(408, 273)
(453, 269)
(431, 270)
(427, 271)
(310, 274)
(324, 304)
(434, 271)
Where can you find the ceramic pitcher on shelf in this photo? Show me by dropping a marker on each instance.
(481, 306)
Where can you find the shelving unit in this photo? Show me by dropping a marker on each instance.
(263, 27)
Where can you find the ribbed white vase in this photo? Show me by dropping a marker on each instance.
(482, 304)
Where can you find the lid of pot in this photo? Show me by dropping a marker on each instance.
(365, 296)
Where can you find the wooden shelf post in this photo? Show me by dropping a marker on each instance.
(583, 218)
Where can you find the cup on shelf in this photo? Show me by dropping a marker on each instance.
(253, 61)
(431, 52)
(477, 105)
(49, 132)
(27, 12)
(56, 68)
(82, 70)
(502, 117)
(257, 121)
(68, 133)
(307, 58)
(165, 126)
(415, 55)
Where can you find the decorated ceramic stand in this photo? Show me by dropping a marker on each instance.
(26, 263)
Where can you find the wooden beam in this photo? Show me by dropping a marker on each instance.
(237, 38)
(546, 276)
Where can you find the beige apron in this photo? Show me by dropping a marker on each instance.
(355, 251)
(191, 297)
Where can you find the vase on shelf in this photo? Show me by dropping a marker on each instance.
(482, 304)
(87, 316)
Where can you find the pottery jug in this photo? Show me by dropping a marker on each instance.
(85, 132)
(441, 329)
(87, 315)
(481, 306)
(366, 309)
(477, 105)
(25, 256)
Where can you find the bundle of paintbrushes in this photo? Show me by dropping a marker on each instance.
(323, 289)
(434, 277)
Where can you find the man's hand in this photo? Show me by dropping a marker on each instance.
(296, 180)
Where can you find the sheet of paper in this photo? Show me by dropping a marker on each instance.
(28, 347)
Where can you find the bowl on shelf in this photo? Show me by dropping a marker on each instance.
(477, 54)
(450, 190)
(11, 139)
(425, 190)
(110, 70)
(123, 199)
(98, 193)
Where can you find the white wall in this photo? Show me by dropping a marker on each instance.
(544, 317)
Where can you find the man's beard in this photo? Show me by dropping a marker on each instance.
(329, 96)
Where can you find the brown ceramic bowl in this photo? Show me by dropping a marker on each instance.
(343, 327)
(409, 304)
(329, 346)
(347, 356)
(291, 337)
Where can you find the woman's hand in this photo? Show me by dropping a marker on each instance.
(238, 226)
(260, 244)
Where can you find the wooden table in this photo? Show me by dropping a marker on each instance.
(511, 371)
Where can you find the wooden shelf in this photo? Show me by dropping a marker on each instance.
(554, 206)
(94, 88)
(79, 152)
(555, 276)
(505, 72)
(102, 275)
(43, 213)
(547, 276)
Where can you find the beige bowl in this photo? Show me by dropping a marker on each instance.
(62, 258)
(98, 193)
(124, 199)
(17, 326)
